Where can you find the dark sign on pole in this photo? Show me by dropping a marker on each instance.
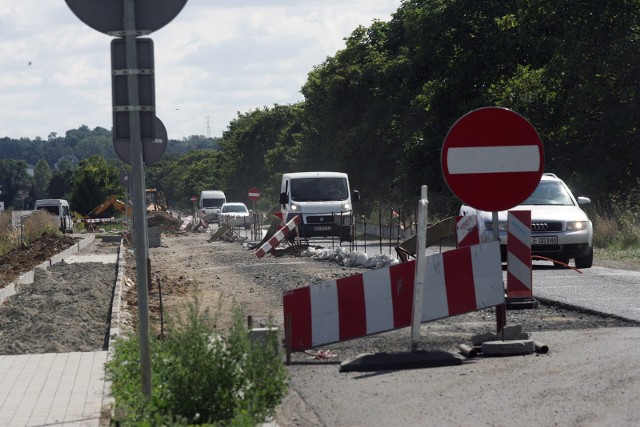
(106, 15)
(120, 90)
(152, 150)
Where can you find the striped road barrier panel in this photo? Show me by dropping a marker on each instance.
(519, 276)
(94, 220)
(467, 230)
(457, 281)
(278, 237)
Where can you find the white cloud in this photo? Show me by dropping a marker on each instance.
(213, 60)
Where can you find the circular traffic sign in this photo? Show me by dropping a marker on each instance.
(152, 150)
(108, 16)
(254, 194)
(492, 159)
(194, 198)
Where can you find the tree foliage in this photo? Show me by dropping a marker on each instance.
(94, 180)
(380, 108)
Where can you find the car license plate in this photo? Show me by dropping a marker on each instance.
(544, 240)
(322, 228)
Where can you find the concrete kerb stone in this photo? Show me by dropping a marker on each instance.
(86, 241)
(108, 401)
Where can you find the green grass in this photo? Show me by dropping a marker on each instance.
(199, 376)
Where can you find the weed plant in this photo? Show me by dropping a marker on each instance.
(198, 376)
(35, 225)
(616, 225)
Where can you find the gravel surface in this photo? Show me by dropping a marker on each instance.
(65, 310)
(589, 377)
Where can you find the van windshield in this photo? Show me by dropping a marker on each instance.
(319, 189)
(212, 203)
(53, 210)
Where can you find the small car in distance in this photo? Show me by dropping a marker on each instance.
(560, 229)
(235, 215)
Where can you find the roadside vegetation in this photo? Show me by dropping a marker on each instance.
(35, 225)
(616, 228)
(199, 376)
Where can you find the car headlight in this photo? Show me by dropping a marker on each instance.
(576, 225)
(295, 207)
(346, 207)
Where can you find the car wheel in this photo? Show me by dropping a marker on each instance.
(585, 261)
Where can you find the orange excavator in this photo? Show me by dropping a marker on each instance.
(111, 201)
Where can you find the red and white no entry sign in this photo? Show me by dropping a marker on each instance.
(492, 159)
(254, 193)
(194, 198)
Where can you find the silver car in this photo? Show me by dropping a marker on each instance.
(560, 229)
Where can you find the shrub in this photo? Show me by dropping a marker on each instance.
(616, 224)
(39, 223)
(35, 225)
(9, 236)
(198, 376)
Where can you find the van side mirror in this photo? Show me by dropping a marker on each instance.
(284, 198)
(355, 196)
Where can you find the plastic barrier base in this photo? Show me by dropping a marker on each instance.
(407, 360)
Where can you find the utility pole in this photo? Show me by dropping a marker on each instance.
(208, 128)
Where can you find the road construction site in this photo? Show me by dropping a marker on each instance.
(589, 376)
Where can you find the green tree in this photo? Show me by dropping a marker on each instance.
(14, 183)
(61, 184)
(254, 140)
(41, 178)
(94, 179)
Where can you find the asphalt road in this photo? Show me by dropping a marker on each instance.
(605, 290)
(590, 377)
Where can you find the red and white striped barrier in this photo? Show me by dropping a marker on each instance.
(278, 237)
(467, 230)
(519, 276)
(456, 282)
(94, 220)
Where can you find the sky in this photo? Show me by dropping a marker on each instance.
(215, 59)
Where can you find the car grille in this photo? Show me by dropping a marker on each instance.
(543, 227)
(321, 219)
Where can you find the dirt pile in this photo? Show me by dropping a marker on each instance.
(21, 260)
(167, 223)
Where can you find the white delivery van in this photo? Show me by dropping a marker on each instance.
(59, 208)
(322, 200)
(210, 203)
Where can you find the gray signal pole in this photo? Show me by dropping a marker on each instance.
(138, 196)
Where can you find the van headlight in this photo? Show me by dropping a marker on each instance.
(346, 206)
(576, 225)
(295, 207)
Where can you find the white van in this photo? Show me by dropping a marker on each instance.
(210, 203)
(322, 199)
(59, 208)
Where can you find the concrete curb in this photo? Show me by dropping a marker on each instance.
(108, 401)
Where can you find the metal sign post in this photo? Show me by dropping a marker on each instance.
(130, 19)
(138, 195)
(421, 264)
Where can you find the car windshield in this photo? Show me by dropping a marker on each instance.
(549, 193)
(319, 189)
(234, 209)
